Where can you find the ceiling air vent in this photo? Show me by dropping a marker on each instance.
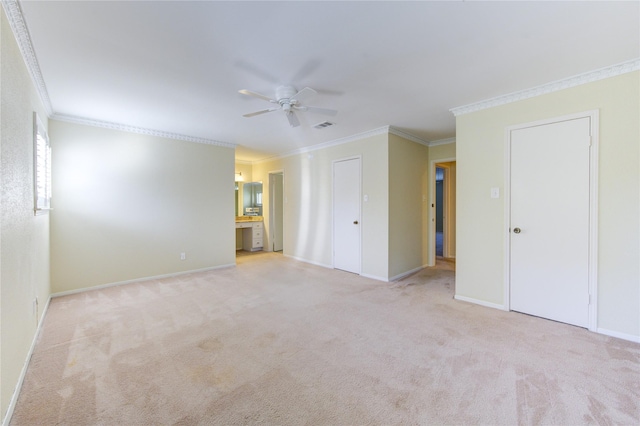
(323, 125)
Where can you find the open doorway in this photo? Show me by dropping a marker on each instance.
(439, 210)
(276, 211)
(443, 231)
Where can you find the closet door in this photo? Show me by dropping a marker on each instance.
(549, 235)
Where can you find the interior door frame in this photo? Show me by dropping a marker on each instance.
(333, 207)
(593, 115)
(272, 206)
(432, 210)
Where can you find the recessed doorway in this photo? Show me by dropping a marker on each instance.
(443, 210)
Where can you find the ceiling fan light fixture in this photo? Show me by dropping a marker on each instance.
(289, 100)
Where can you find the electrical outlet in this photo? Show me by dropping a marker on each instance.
(183, 256)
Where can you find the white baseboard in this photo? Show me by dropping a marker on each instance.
(375, 277)
(480, 302)
(137, 280)
(23, 373)
(624, 336)
(405, 274)
(301, 259)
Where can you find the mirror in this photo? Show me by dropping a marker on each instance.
(249, 199)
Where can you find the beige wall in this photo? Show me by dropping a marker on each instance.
(442, 152)
(481, 220)
(24, 237)
(127, 205)
(408, 205)
(308, 202)
(246, 170)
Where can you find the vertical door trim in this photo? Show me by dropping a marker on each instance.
(272, 207)
(593, 115)
(333, 207)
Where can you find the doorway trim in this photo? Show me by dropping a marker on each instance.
(593, 115)
(272, 207)
(432, 209)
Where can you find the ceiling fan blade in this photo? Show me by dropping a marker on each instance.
(293, 119)
(255, 70)
(264, 111)
(257, 95)
(306, 93)
(317, 110)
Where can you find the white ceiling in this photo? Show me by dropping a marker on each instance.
(177, 66)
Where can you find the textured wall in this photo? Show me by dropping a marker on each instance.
(24, 237)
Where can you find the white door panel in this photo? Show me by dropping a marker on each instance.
(346, 215)
(549, 237)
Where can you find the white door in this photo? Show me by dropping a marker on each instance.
(346, 215)
(549, 236)
(277, 210)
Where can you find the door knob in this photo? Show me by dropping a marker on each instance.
(517, 230)
(355, 222)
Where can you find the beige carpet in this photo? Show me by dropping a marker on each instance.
(276, 341)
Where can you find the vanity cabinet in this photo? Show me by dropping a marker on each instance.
(252, 235)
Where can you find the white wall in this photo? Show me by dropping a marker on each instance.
(24, 237)
(127, 205)
(308, 206)
(481, 224)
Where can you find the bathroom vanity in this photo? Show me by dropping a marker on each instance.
(252, 231)
(249, 221)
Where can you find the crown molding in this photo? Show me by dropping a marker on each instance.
(138, 130)
(347, 139)
(443, 141)
(21, 33)
(554, 86)
(405, 135)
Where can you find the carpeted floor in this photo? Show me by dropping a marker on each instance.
(276, 341)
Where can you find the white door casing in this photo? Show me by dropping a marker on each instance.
(346, 215)
(551, 240)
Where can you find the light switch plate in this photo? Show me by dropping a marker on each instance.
(495, 192)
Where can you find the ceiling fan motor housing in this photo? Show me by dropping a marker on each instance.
(284, 93)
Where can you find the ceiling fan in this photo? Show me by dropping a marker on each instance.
(289, 100)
